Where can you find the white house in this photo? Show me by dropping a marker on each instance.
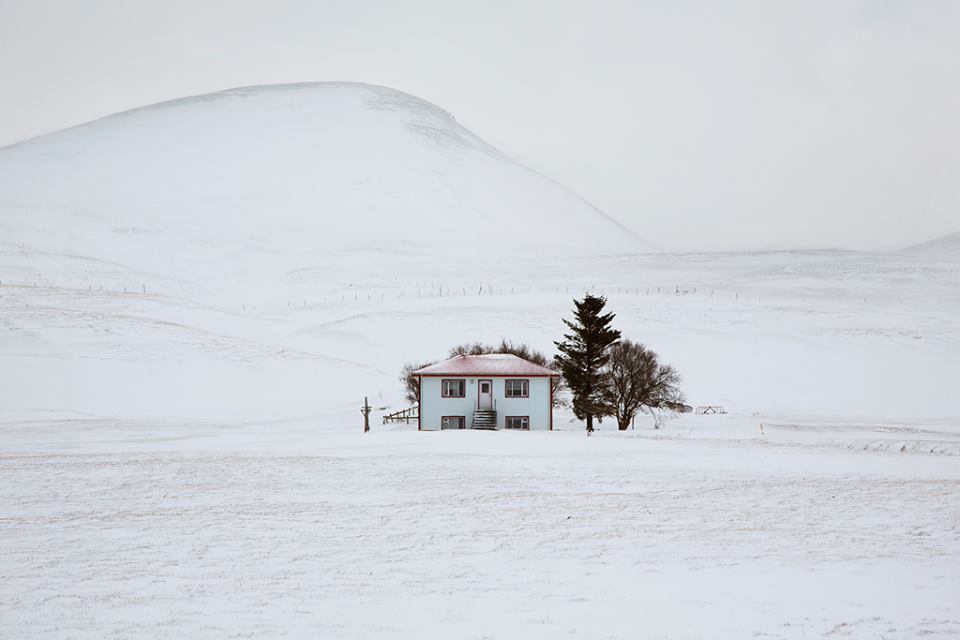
(493, 391)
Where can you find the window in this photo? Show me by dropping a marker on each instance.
(518, 422)
(453, 422)
(517, 388)
(454, 388)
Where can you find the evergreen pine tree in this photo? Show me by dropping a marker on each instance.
(583, 354)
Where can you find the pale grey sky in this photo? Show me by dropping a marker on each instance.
(700, 124)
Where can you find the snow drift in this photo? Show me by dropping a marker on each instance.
(944, 247)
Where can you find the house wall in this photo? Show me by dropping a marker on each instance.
(537, 406)
(433, 407)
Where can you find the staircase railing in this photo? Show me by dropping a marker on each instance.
(493, 405)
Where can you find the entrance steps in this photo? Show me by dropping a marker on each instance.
(486, 420)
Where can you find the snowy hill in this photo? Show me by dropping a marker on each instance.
(317, 166)
(275, 253)
(946, 247)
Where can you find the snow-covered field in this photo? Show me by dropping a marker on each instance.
(179, 468)
(183, 356)
(708, 530)
(812, 335)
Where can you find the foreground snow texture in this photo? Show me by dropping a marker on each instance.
(708, 531)
(184, 465)
(187, 334)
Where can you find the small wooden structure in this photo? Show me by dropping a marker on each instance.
(405, 416)
(710, 410)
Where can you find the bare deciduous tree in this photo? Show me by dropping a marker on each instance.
(470, 349)
(518, 349)
(410, 382)
(637, 380)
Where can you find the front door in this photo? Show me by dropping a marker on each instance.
(486, 395)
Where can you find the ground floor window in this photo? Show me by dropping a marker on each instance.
(518, 422)
(453, 422)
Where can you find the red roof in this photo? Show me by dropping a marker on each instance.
(491, 364)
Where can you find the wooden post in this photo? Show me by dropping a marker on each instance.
(366, 414)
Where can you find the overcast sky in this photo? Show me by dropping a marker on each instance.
(700, 124)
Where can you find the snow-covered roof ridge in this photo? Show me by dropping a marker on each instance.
(489, 364)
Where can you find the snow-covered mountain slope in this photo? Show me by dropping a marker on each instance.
(280, 252)
(313, 166)
(946, 247)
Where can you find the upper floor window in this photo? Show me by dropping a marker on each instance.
(517, 388)
(454, 388)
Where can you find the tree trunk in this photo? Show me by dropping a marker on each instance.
(589, 423)
(623, 424)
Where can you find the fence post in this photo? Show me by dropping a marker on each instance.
(366, 414)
